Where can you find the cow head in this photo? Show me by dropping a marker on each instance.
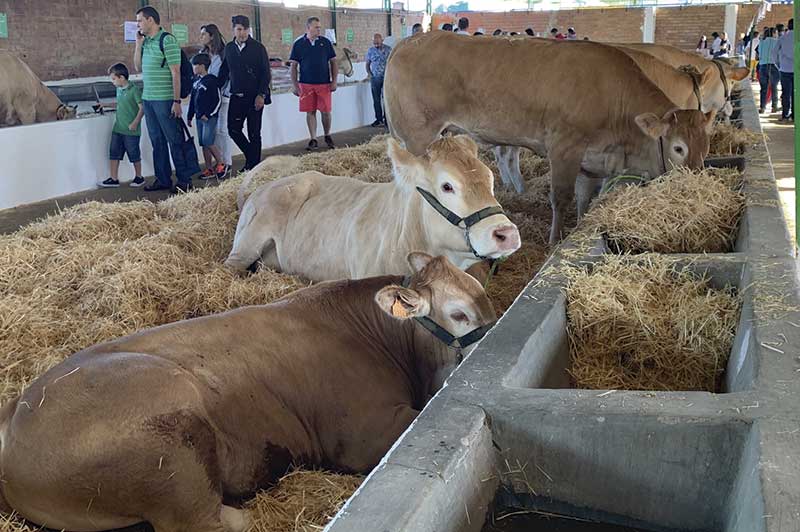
(345, 62)
(682, 137)
(459, 212)
(716, 82)
(65, 112)
(439, 294)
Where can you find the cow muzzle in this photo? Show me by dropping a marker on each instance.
(505, 237)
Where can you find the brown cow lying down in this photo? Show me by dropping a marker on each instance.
(166, 424)
(24, 99)
(325, 228)
(588, 106)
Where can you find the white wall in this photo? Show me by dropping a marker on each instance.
(649, 27)
(43, 161)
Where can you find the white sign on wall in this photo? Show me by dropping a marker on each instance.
(130, 31)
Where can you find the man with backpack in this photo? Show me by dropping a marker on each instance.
(160, 60)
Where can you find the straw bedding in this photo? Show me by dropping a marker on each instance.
(681, 212)
(728, 139)
(645, 325)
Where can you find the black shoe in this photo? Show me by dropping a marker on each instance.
(329, 142)
(312, 145)
(110, 183)
(181, 188)
(156, 186)
(377, 123)
(137, 182)
(384, 123)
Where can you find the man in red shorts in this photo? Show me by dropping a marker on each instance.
(316, 59)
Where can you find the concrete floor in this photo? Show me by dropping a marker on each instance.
(781, 151)
(13, 219)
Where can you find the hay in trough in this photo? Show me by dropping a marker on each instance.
(644, 325)
(303, 501)
(681, 212)
(728, 139)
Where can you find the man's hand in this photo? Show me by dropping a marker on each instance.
(333, 86)
(296, 89)
(133, 126)
(204, 118)
(139, 37)
(176, 110)
(259, 102)
(189, 122)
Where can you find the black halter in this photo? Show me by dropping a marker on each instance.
(456, 220)
(722, 77)
(444, 335)
(691, 72)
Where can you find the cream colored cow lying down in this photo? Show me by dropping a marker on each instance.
(323, 227)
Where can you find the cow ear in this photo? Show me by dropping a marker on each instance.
(466, 142)
(709, 116)
(739, 74)
(405, 164)
(652, 125)
(418, 260)
(480, 271)
(402, 303)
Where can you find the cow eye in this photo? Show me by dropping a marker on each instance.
(679, 150)
(447, 187)
(459, 317)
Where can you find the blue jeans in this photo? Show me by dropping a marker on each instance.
(377, 96)
(166, 137)
(768, 76)
(207, 131)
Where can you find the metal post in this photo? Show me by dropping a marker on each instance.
(387, 6)
(256, 21)
(429, 7)
(796, 137)
(332, 7)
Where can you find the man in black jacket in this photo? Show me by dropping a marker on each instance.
(246, 63)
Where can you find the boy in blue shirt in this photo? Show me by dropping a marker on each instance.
(205, 104)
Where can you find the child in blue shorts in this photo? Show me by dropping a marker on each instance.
(127, 127)
(205, 105)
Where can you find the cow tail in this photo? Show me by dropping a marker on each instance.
(5, 417)
(240, 196)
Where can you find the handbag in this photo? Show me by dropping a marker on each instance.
(188, 149)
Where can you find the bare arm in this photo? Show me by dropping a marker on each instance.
(137, 52)
(369, 72)
(334, 73)
(295, 84)
(175, 70)
(138, 120)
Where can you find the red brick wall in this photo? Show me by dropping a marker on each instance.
(683, 26)
(780, 14)
(83, 41)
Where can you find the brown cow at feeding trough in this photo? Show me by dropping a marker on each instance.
(171, 425)
(610, 122)
(24, 99)
(323, 228)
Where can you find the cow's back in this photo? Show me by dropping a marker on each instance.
(20, 91)
(502, 89)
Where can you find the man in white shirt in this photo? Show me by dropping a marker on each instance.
(463, 24)
(716, 44)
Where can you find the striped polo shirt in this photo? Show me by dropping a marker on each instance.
(157, 80)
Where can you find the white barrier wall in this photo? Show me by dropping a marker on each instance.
(43, 161)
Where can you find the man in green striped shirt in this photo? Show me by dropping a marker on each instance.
(161, 98)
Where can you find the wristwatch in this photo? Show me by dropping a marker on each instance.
(176, 101)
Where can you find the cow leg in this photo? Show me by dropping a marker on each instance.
(508, 166)
(585, 189)
(565, 164)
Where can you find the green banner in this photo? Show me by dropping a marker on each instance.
(286, 35)
(3, 26)
(350, 35)
(181, 33)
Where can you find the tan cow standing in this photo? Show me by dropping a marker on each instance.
(166, 424)
(324, 228)
(24, 99)
(587, 105)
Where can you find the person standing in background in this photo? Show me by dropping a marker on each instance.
(314, 73)
(158, 57)
(214, 45)
(783, 57)
(768, 73)
(377, 56)
(246, 66)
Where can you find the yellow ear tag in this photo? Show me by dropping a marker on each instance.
(398, 310)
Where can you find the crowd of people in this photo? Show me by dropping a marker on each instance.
(462, 28)
(770, 56)
(229, 84)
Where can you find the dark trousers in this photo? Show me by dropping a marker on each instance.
(768, 76)
(243, 108)
(377, 97)
(787, 94)
(166, 138)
